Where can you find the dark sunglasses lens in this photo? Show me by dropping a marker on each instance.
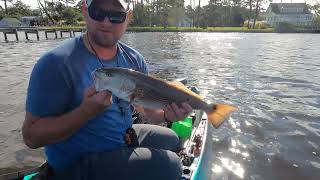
(96, 13)
(117, 17)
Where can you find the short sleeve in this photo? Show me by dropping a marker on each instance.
(49, 90)
(144, 67)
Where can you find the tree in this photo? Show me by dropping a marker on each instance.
(190, 13)
(67, 2)
(19, 9)
(6, 5)
(256, 14)
(316, 9)
(70, 15)
(250, 2)
(44, 8)
(316, 22)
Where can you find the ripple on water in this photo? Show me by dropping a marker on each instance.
(272, 78)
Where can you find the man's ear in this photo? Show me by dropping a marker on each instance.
(84, 8)
(130, 16)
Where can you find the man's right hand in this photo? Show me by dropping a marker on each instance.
(95, 102)
(41, 131)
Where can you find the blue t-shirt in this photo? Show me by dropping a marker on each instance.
(56, 86)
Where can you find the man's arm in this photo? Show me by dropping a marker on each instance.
(38, 132)
(170, 113)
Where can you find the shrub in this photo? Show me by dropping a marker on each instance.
(285, 27)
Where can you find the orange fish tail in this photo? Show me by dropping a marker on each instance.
(219, 112)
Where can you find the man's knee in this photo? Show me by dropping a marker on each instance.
(157, 137)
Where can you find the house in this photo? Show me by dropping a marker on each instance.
(30, 20)
(10, 22)
(293, 13)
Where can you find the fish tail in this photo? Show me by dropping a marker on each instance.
(218, 113)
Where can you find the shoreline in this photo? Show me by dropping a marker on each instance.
(162, 29)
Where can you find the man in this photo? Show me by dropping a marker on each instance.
(83, 130)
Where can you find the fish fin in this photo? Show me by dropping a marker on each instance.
(182, 87)
(219, 113)
(176, 83)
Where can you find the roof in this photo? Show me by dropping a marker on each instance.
(276, 8)
(10, 22)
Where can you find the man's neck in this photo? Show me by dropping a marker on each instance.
(103, 53)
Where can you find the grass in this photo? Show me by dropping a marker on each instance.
(170, 29)
(198, 29)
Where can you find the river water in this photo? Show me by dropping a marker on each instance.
(274, 79)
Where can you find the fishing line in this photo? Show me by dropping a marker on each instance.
(118, 65)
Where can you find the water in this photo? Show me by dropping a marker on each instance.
(273, 78)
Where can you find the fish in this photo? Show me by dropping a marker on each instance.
(154, 93)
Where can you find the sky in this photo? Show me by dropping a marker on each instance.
(33, 3)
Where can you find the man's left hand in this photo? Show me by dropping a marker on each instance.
(174, 113)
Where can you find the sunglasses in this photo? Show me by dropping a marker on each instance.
(98, 14)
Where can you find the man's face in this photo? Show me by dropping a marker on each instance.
(104, 33)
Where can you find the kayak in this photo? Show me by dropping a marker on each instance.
(193, 148)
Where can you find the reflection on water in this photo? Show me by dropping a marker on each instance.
(272, 78)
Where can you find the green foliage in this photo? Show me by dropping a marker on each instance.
(155, 13)
(173, 13)
(197, 29)
(63, 14)
(285, 27)
(70, 15)
(19, 9)
(316, 21)
(259, 25)
(316, 9)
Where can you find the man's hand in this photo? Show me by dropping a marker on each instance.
(174, 113)
(95, 102)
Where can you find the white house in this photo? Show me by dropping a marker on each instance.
(293, 13)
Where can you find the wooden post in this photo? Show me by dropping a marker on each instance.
(32, 31)
(16, 32)
(27, 38)
(5, 36)
(51, 31)
(75, 31)
(38, 38)
(10, 31)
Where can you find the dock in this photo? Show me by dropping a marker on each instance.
(14, 31)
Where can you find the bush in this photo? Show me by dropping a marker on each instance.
(245, 23)
(258, 25)
(285, 27)
(81, 23)
(262, 25)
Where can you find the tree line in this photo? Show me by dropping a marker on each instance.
(51, 12)
(215, 13)
(164, 13)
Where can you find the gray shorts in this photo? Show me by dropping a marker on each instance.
(152, 160)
